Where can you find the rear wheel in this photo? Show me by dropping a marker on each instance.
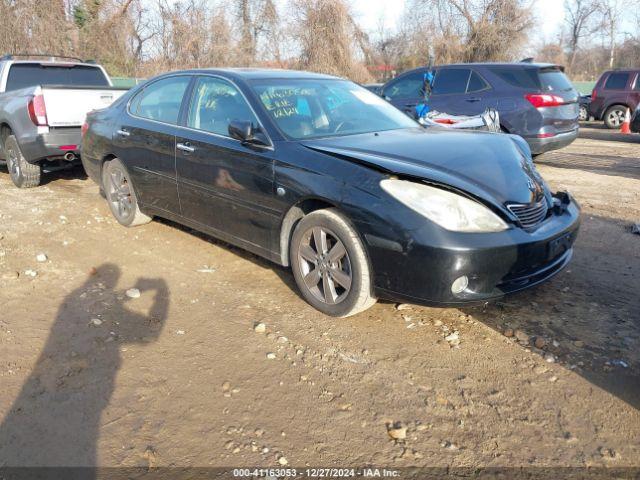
(583, 115)
(23, 174)
(120, 195)
(330, 264)
(614, 116)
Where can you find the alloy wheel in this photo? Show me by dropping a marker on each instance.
(325, 265)
(616, 117)
(120, 193)
(584, 116)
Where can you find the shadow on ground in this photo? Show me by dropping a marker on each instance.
(597, 131)
(71, 172)
(586, 317)
(55, 418)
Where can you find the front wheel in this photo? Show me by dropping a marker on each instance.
(23, 174)
(120, 195)
(330, 265)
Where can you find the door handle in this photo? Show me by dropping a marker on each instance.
(473, 100)
(185, 148)
(123, 133)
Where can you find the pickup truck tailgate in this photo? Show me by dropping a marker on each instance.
(68, 106)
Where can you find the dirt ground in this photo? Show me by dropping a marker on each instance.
(179, 376)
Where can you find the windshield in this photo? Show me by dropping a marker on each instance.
(313, 108)
(22, 75)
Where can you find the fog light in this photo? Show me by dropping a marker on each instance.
(460, 284)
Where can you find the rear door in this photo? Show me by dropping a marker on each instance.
(145, 141)
(224, 185)
(616, 89)
(459, 91)
(406, 91)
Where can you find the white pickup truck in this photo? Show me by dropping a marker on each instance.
(43, 104)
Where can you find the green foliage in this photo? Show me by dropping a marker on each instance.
(86, 11)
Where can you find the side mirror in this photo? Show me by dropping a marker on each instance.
(244, 131)
(241, 130)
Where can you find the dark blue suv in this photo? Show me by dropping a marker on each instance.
(535, 100)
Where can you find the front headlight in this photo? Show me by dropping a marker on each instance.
(449, 210)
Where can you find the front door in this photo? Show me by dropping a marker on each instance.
(406, 92)
(145, 142)
(224, 185)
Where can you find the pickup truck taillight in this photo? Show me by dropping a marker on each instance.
(539, 100)
(37, 110)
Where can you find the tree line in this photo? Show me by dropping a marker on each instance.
(140, 38)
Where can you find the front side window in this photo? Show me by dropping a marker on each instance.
(310, 108)
(410, 86)
(161, 100)
(617, 81)
(215, 104)
(451, 80)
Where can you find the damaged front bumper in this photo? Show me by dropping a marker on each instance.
(429, 269)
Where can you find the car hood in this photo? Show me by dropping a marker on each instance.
(493, 167)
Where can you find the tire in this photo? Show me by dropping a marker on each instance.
(121, 195)
(23, 174)
(348, 276)
(583, 114)
(614, 116)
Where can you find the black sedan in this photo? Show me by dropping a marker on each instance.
(319, 174)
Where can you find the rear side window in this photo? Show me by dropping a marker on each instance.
(410, 86)
(518, 77)
(476, 83)
(23, 75)
(616, 81)
(161, 100)
(453, 80)
(554, 80)
(637, 86)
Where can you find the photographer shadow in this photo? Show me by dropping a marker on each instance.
(55, 419)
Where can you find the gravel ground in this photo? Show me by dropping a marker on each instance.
(216, 361)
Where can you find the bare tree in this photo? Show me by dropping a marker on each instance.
(330, 40)
(611, 15)
(580, 19)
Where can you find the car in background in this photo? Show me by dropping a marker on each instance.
(374, 87)
(534, 100)
(43, 103)
(614, 93)
(584, 101)
(635, 120)
(317, 173)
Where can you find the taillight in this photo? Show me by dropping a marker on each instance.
(539, 100)
(85, 127)
(37, 110)
(593, 95)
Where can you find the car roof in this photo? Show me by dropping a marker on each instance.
(503, 64)
(488, 64)
(262, 73)
(53, 63)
